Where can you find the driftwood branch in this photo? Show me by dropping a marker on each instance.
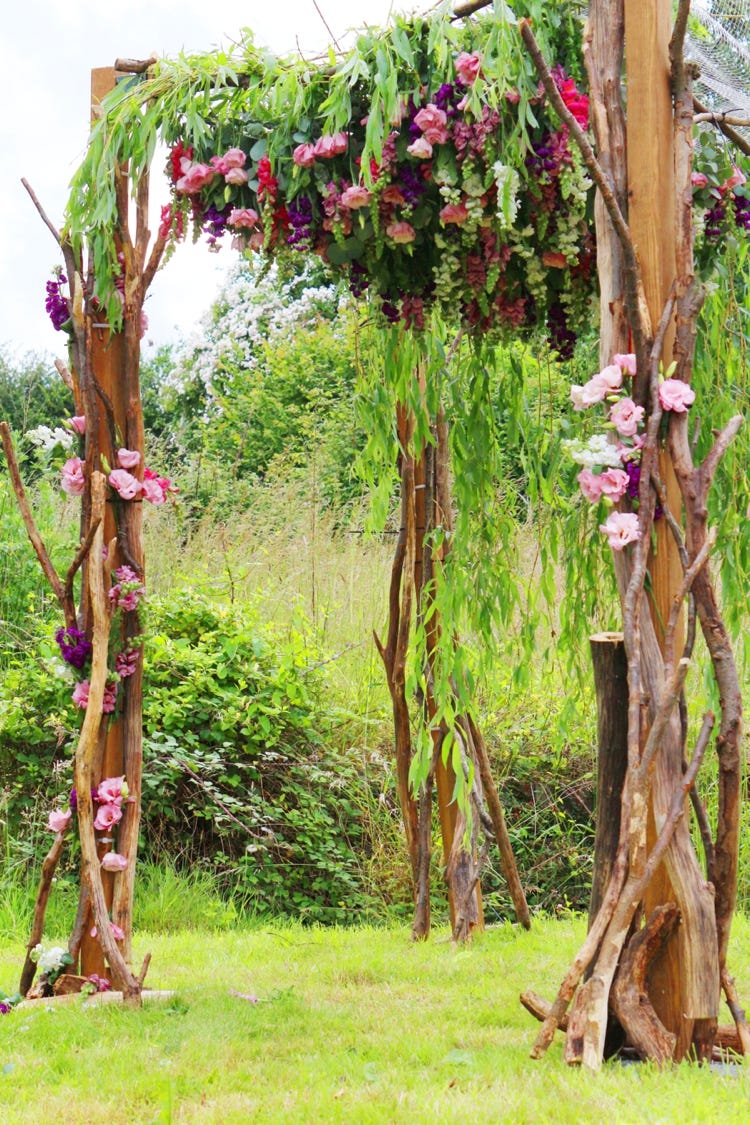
(37, 925)
(705, 114)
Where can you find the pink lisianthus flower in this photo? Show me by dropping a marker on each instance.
(72, 480)
(117, 931)
(454, 213)
(597, 388)
(590, 483)
(355, 197)
(80, 694)
(676, 396)
(235, 158)
(433, 122)
(468, 67)
(113, 861)
(243, 217)
(236, 176)
(401, 232)
(59, 821)
(195, 178)
(339, 143)
(124, 484)
(420, 148)
(152, 481)
(625, 362)
(626, 417)
(128, 458)
(614, 484)
(107, 816)
(112, 791)
(621, 528)
(304, 155)
(325, 148)
(78, 423)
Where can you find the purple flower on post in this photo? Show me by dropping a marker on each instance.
(74, 647)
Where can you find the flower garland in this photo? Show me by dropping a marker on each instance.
(439, 220)
(611, 469)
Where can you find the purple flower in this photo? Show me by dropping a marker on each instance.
(5, 1008)
(74, 647)
(55, 304)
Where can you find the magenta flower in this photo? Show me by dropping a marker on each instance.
(107, 816)
(676, 396)
(59, 821)
(113, 861)
(126, 664)
(124, 484)
(468, 67)
(128, 458)
(109, 702)
(626, 417)
(621, 528)
(72, 480)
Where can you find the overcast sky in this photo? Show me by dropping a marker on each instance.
(49, 48)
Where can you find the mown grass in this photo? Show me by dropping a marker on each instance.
(355, 1025)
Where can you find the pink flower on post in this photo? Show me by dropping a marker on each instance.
(325, 148)
(604, 383)
(626, 417)
(355, 197)
(80, 694)
(78, 423)
(699, 179)
(112, 791)
(625, 362)
(236, 176)
(72, 480)
(117, 931)
(304, 155)
(124, 484)
(339, 143)
(614, 484)
(454, 213)
(621, 528)
(59, 821)
(107, 816)
(468, 67)
(676, 396)
(113, 861)
(590, 485)
(401, 232)
(109, 702)
(128, 458)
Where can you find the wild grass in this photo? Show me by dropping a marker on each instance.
(336, 1025)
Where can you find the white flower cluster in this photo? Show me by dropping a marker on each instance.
(49, 960)
(45, 438)
(598, 450)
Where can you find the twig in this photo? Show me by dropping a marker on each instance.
(37, 926)
(77, 562)
(731, 134)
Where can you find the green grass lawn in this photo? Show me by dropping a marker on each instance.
(355, 1025)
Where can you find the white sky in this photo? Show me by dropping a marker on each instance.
(49, 48)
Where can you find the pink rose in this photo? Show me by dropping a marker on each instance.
(468, 68)
(128, 458)
(59, 821)
(355, 197)
(304, 155)
(124, 484)
(401, 232)
(625, 362)
(621, 528)
(433, 123)
(243, 217)
(325, 148)
(72, 480)
(194, 179)
(626, 417)
(676, 396)
(698, 179)
(236, 176)
(339, 143)
(235, 158)
(421, 149)
(112, 791)
(113, 861)
(735, 180)
(107, 816)
(80, 694)
(392, 194)
(454, 213)
(78, 423)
